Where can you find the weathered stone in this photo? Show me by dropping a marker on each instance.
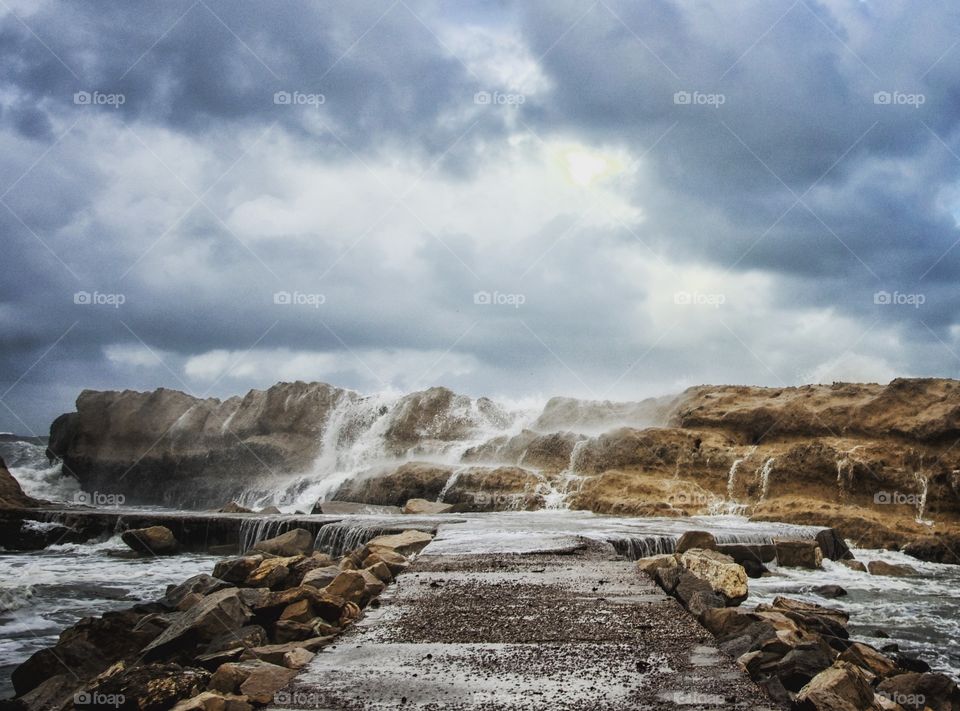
(155, 540)
(297, 658)
(841, 681)
(800, 665)
(373, 585)
(57, 692)
(919, 691)
(667, 578)
(703, 540)
(228, 677)
(272, 573)
(854, 565)
(321, 577)
(406, 543)
(381, 571)
(209, 618)
(350, 613)
(148, 686)
(424, 507)
(11, 493)
(720, 572)
(832, 545)
(265, 681)
(799, 554)
(298, 541)
(292, 631)
(270, 605)
(202, 584)
(897, 570)
(349, 585)
(234, 508)
(236, 570)
(214, 701)
(274, 653)
(396, 562)
(830, 591)
(866, 657)
(300, 611)
(650, 565)
(246, 636)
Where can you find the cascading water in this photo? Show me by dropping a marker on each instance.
(924, 483)
(765, 472)
(451, 482)
(27, 461)
(568, 482)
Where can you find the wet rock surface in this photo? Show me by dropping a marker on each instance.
(577, 630)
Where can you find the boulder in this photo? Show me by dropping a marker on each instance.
(896, 570)
(272, 573)
(213, 701)
(406, 543)
(832, 545)
(146, 686)
(855, 565)
(262, 683)
(918, 691)
(276, 653)
(270, 605)
(393, 560)
(830, 591)
(202, 584)
(299, 611)
(935, 549)
(11, 493)
(799, 554)
(321, 577)
(801, 664)
(236, 570)
(155, 540)
(298, 541)
(373, 585)
(703, 540)
(425, 507)
(841, 686)
(722, 574)
(650, 565)
(743, 553)
(57, 692)
(297, 658)
(381, 571)
(350, 585)
(866, 657)
(228, 677)
(218, 612)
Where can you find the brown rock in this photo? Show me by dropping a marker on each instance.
(155, 540)
(147, 686)
(297, 658)
(300, 611)
(213, 701)
(271, 604)
(272, 573)
(424, 507)
(234, 507)
(236, 570)
(651, 564)
(866, 657)
(918, 691)
(298, 541)
(11, 493)
(263, 682)
(320, 577)
(393, 560)
(854, 565)
(381, 571)
(349, 585)
(841, 686)
(217, 612)
(405, 543)
(373, 585)
(799, 554)
(879, 567)
(275, 653)
(696, 539)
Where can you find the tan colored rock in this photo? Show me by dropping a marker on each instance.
(866, 657)
(297, 658)
(854, 565)
(329, 607)
(275, 653)
(216, 613)
(842, 681)
(321, 577)
(299, 541)
(381, 571)
(154, 540)
(350, 585)
(393, 560)
(351, 613)
(424, 507)
(720, 571)
(406, 543)
(11, 493)
(299, 611)
(265, 681)
(651, 564)
(799, 554)
(213, 701)
(272, 572)
(896, 570)
(236, 570)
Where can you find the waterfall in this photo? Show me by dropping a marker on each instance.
(765, 478)
(924, 482)
(254, 530)
(569, 481)
(451, 482)
(732, 475)
(340, 538)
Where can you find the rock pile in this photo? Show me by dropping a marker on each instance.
(227, 641)
(800, 653)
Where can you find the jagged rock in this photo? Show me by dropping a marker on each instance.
(350, 585)
(213, 701)
(202, 584)
(150, 687)
(831, 591)
(897, 570)
(297, 658)
(840, 687)
(918, 691)
(650, 565)
(298, 541)
(373, 586)
(11, 493)
(277, 653)
(381, 571)
(832, 545)
(216, 613)
(855, 565)
(422, 506)
(57, 692)
(272, 573)
(719, 571)
(703, 540)
(263, 682)
(246, 636)
(866, 657)
(935, 549)
(406, 543)
(799, 554)
(321, 577)
(155, 540)
(270, 605)
(236, 570)
(802, 664)
(910, 663)
(299, 611)
(668, 578)
(727, 622)
(292, 631)
(393, 560)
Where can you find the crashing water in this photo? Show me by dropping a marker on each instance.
(27, 461)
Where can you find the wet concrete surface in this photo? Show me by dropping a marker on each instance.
(571, 629)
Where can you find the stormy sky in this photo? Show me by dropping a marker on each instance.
(516, 199)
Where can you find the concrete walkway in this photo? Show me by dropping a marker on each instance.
(573, 629)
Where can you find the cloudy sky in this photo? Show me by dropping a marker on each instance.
(516, 199)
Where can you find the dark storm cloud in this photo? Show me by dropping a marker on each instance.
(799, 189)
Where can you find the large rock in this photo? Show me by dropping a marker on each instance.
(213, 701)
(299, 541)
(350, 585)
(265, 681)
(896, 570)
(155, 540)
(936, 549)
(918, 691)
(11, 493)
(321, 577)
(236, 570)
(720, 571)
(150, 687)
(833, 546)
(799, 554)
(406, 543)
(703, 540)
(218, 612)
(841, 687)
(866, 657)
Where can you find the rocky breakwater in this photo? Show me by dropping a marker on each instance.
(800, 653)
(228, 640)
